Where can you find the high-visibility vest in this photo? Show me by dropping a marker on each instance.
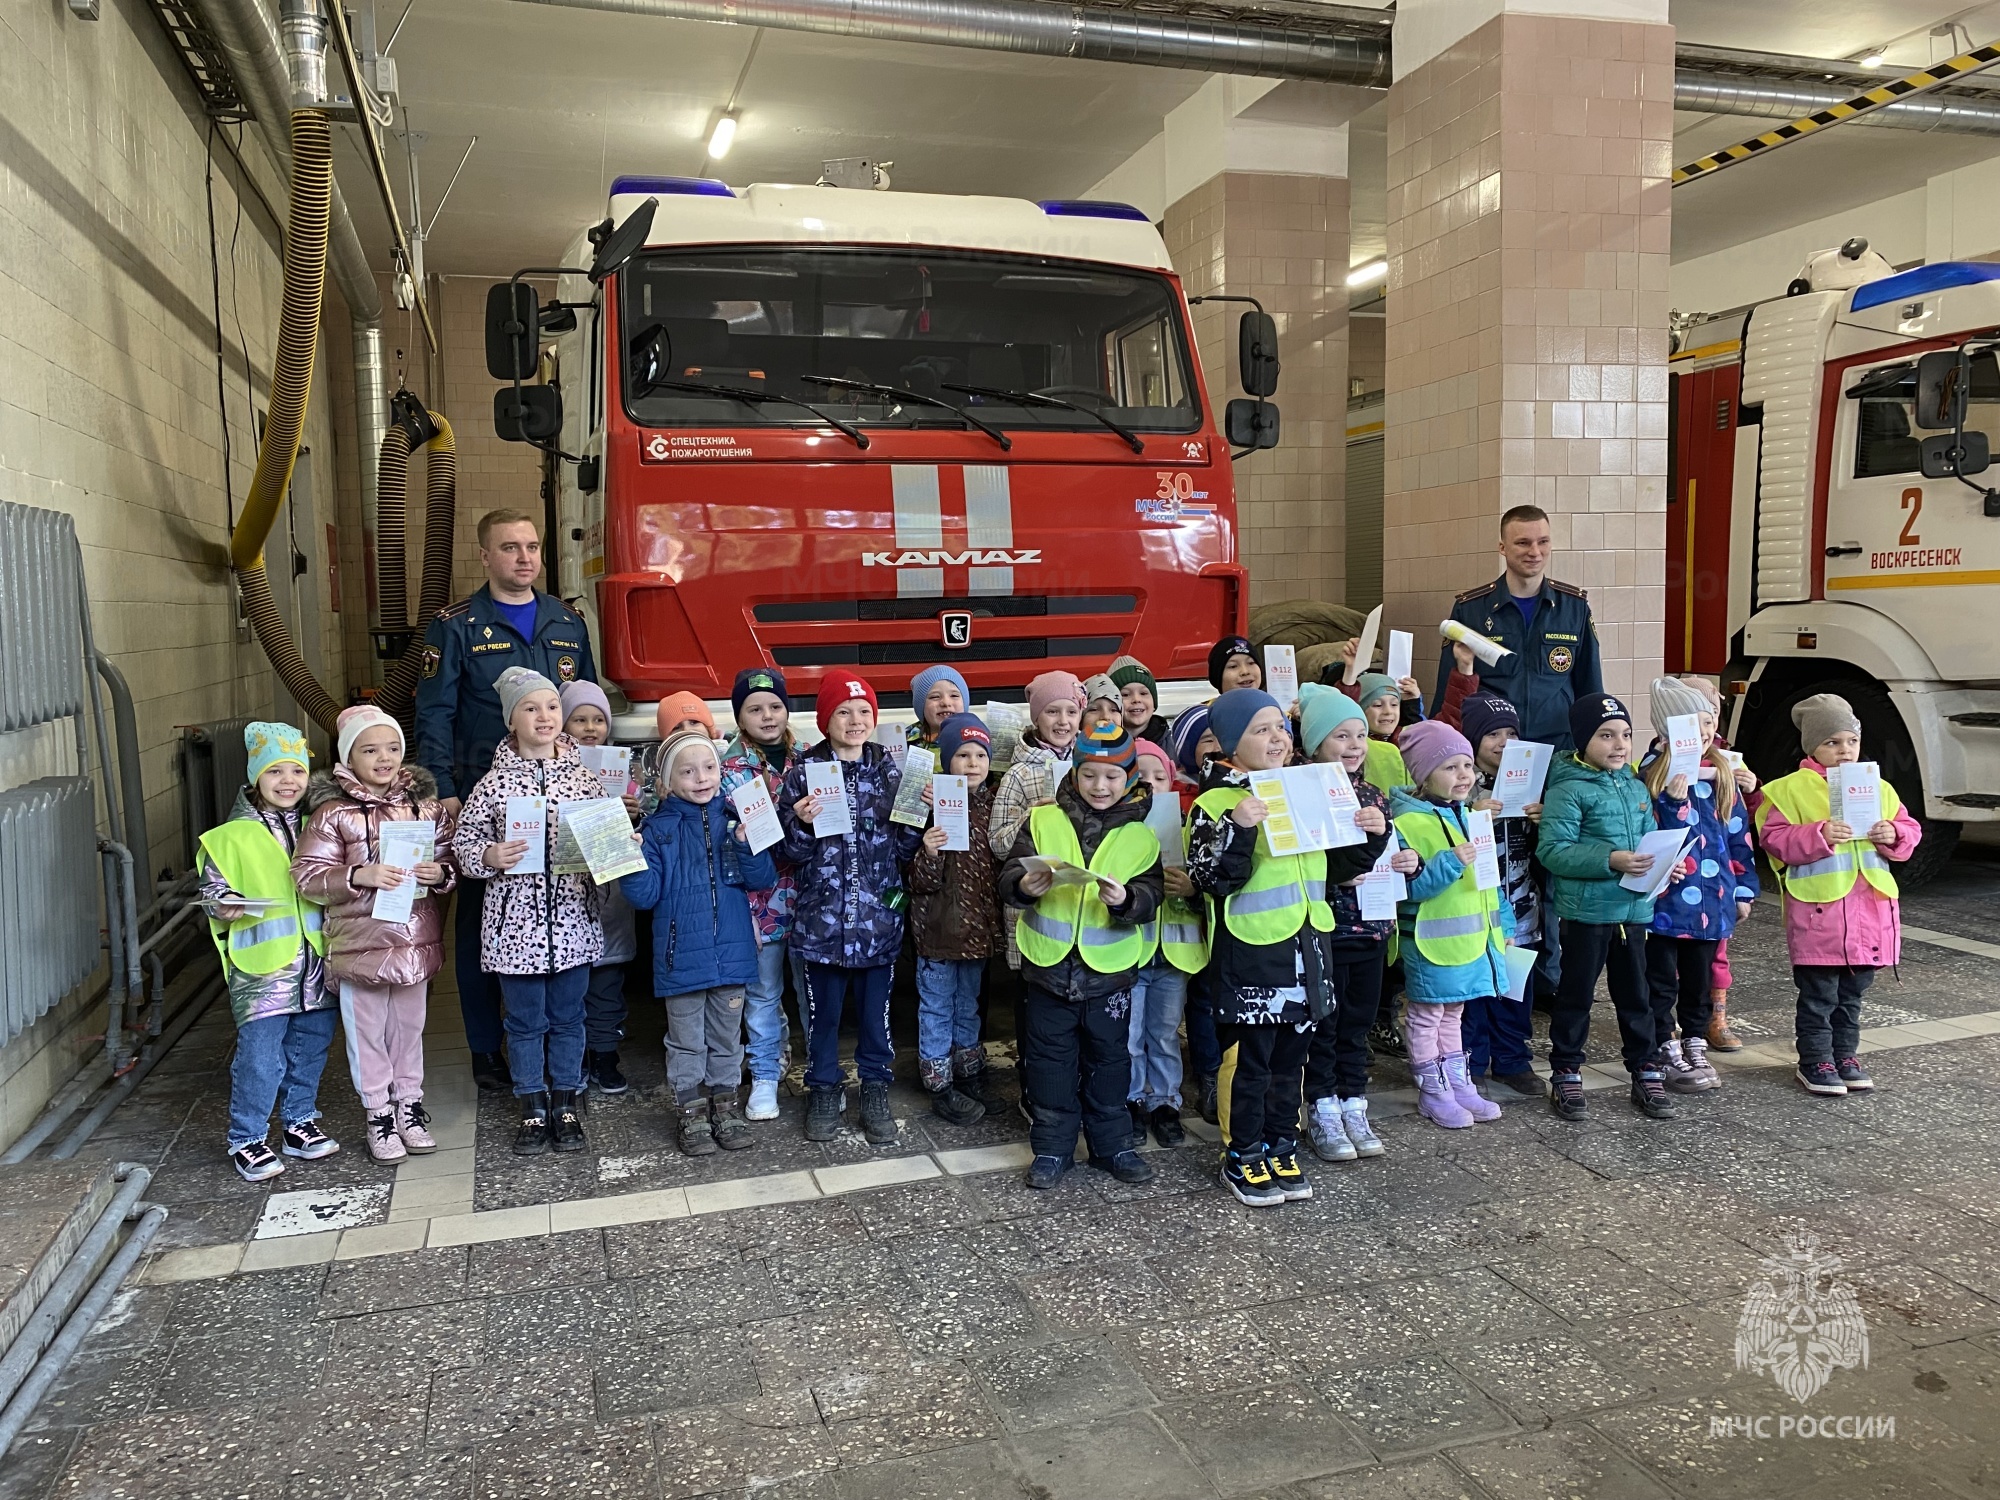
(1074, 917)
(1283, 890)
(1177, 931)
(1803, 798)
(1461, 922)
(256, 865)
(1384, 766)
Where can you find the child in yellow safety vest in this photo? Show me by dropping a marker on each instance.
(1841, 915)
(273, 952)
(1087, 870)
(1176, 948)
(1453, 937)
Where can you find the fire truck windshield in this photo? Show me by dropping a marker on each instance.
(1106, 341)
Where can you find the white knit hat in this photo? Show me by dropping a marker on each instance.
(358, 720)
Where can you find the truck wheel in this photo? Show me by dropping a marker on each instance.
(1883, 740)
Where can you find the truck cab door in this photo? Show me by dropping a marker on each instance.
(1916, 550)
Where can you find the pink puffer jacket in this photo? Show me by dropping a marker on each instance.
(341, 834)
(1862, 930)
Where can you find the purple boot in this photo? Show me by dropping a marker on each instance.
(1458, 1073)
(1435, 1101)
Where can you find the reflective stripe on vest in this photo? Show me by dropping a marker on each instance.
(1072, 917)
(1803, 798)
(1283, 892)
(1459, 925)
(255, 865)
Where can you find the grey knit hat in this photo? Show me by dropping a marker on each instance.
(1674, 699)
(1821, 717)
(516, 683)
(1100, 686)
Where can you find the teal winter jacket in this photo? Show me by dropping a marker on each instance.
(1588, 814)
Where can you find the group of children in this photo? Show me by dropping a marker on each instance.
(1127, 920)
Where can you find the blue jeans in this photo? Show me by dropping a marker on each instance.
(1158, 997)
(278, 1062)
(1204, 1050)
(478, 994)
(545, 1029)
(764, 1022)
(1496, 1029)
(947, 1005)
(828, 989)
(604, 1008)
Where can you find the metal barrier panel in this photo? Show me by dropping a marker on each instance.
(41, 648)
(48, 896)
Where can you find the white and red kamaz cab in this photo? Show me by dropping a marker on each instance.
(1806, 550)
(1012, 466)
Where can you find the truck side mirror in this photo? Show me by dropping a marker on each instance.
(1949, 456)
(513, 339)
(527, 414)
(1942, 389)
(1257, 354)
(1251, 424)
(625, 241)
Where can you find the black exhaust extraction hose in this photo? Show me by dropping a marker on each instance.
(413, 426)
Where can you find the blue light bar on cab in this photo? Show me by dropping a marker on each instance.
(1083, 208)
(1915, 283)
(692, 187)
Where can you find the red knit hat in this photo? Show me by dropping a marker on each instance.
(836, 688)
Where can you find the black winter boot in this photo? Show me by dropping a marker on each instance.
(823, 1114)
(601, 1068)
(566, 1121)
(697, 1134)
(532, 1138)
(877, 1122)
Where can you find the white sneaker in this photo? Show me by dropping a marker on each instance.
(1696, 1051)
(1324, 1130)
(1679, 1077)
(763, 1099)
(1354, 1122)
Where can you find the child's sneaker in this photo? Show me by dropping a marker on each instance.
(1853, 1075)
(1167, 1127)
(1136, 1108)
(1250, 1179)
(1324, 1130)
(1566, 1099)
(878, 1122)
(1695, 1049)
(1680, 1078)
(602, 1069)
(1127, 1166)
(413, 1125)
(1821, 1078)
(308, 1142)
(823, 1114)
(954, 1108)
(383, 1142)
(763, 1099)
(1288, 1174)
(256, 1162)
(1354, 1121)
(1046, 1171)
(1649, 1094)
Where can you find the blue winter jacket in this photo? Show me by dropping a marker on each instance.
(1423, 981)
(1588, 815)
(851, 898)
(1721, 867)
(696, 884)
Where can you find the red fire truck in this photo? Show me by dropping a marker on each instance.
(815, 427)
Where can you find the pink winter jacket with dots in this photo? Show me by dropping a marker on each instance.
(1862, 930)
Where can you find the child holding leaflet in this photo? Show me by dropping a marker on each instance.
(587, 720)
(1177, 950)
(1453, 936)
(955, 919)
(1497, 1028)
(936, 693)
(1595, 812)
(764, 749)
(382, 968)
(539, 931)
(1842, 920)
(1055, 713)
(849, 924)
(278, 993)
(698, 867)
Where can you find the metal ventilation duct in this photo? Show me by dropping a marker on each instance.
(1956, 112)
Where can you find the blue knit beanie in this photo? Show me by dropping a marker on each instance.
(1230, 715)
(757, 680)
(961, 729)
(1184, 734)
(930, 677)
(1322, 710)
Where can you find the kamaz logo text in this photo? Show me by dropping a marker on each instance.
(972, 557)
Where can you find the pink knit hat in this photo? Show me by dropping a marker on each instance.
(1428, 744)
(1147, 747)
(1053, 687)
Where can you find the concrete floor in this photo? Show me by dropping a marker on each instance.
(1526, 1309)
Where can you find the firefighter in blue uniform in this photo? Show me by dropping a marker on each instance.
(1545, 624)
(506, 623)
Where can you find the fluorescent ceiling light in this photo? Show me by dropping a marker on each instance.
(1374, 271)
(722, 137)
(1874, 59)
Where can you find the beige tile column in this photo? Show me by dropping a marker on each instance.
(1529, 160)
(1280, 238)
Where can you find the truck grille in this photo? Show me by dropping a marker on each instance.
(888, 653)
(990, 606)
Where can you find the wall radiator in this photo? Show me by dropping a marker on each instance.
(49, 882)
(214, 765)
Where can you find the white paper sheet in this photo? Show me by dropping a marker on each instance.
(611, 765)
(1684, 747)
(759, 817)
(1402, 648)
(1342, 804)
(1524, 771)
(1163, 816)
(528, 821)
(1005, 722)
(403, 845)
(1364, 650)
(1300, 818)
(1381, 888)
(1488, 651)
(602, 834)
(894, 740)
(919, 765)
(1664, 844)
(1854, 793)
(1281, 675)
(1520, 964)
(825, 780)
(951, 810)
(1060, 871)
(1485, 854)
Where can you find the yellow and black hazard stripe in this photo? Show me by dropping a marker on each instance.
(1861, 104)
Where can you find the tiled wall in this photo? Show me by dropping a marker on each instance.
(1526, 343)
(1283, 240)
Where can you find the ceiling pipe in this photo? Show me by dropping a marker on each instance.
(1746, 93)
(1336, 45)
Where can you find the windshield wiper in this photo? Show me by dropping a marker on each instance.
(842, 383)
(751, 398)
(1036, 398)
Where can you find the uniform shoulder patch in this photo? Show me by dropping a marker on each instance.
(1567, 588)
(453, 611)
